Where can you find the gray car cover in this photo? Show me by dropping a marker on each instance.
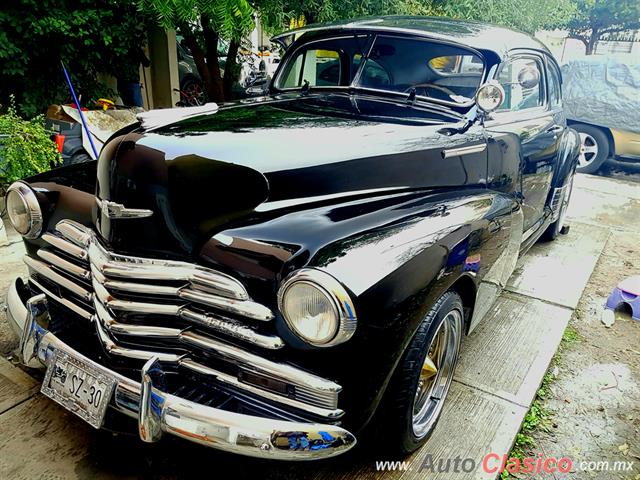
(603, 91)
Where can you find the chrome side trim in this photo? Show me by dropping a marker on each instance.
(158, 411)
(43, 269)
(467, 150)
(66, 246)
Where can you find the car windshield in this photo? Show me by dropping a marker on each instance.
(401, 65)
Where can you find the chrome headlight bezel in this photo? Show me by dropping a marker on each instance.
(30, 201)
(337, 295)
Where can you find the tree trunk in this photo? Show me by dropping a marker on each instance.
(214, 86)
(198, 55)
(231, 68)
(592, 42)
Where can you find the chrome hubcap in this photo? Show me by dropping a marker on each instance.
(436, 373)
(588, 149)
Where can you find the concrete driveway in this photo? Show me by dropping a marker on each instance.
(500, 370)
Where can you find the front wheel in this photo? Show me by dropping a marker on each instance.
(556, 227)
(420, 384)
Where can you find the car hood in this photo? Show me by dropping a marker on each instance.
(206, 172)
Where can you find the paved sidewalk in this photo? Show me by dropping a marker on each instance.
(502, 365)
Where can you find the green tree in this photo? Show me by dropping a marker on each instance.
(525, 15)
(203, 24)
(90, 36)
(596, 19)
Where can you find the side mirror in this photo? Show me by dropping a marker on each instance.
(489, 96)
(529, 77)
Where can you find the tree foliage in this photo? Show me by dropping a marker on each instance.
(203, 23)
(90, 36)
(595, 19)
(25, 147)
(523, 15)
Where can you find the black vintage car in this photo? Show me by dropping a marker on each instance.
(272, 276)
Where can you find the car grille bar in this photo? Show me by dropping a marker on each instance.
(90, 281)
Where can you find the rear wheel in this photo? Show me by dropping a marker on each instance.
(594, 148)
(421, 382)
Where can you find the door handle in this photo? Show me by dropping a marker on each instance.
(556, 129)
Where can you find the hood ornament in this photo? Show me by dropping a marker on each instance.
(117, 210)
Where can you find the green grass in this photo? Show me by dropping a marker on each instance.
(539, 418)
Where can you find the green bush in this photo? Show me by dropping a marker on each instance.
(25, 148)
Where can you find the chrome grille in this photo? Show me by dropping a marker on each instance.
(98, 285)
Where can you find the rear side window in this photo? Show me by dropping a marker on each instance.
(327, 63)
(319, 67)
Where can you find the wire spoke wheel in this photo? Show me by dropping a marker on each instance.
(436, 373)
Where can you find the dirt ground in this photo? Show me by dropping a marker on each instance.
(595, 398)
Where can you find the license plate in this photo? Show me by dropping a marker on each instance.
(79, 387)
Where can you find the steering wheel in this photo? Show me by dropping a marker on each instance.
(426, 86)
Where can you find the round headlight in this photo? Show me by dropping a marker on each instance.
(24, 210)
(317, 308)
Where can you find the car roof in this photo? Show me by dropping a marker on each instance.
(480, 36)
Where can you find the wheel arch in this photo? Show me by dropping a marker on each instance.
(466, 288)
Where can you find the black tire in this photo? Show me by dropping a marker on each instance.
(591, 137)
(396, 422)
(555, 229)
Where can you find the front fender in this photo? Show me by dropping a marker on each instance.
(396, 255)
(567, 157)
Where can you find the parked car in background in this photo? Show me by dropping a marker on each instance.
(192, 90)
(272, 276)
(602, 98)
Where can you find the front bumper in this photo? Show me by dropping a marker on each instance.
(159, 412)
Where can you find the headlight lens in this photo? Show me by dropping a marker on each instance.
(317, 308)
(310, 313)
(24, 210)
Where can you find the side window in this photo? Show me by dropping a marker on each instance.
(555, 91)
(521, 79)
(319, 67)
(374, 75)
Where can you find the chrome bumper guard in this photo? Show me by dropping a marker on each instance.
(158, 412)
